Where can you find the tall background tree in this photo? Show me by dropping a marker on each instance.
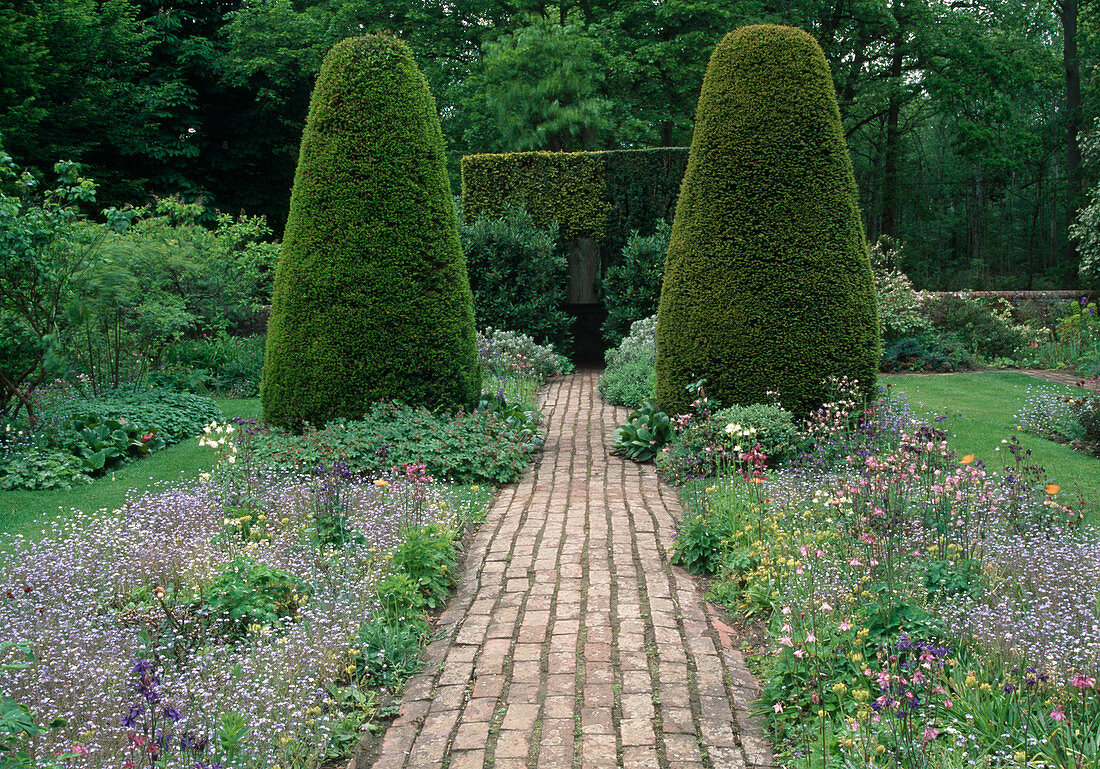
(963, 118)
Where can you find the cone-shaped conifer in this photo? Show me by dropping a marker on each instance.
(767, 282)
(372, 300)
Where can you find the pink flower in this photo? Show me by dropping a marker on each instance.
(786, 641)
(1083, 681)
(800, 653)
(79, 749)
(947, 703)
(778, 707)
(855, 562)
(811, 638)
(845, 625)
(930, 734)
(1058, 715)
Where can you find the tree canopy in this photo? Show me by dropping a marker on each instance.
(962, 118)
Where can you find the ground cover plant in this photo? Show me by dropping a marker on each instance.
(72, 439)
(23, 512)
(922, 607)
(251, 618)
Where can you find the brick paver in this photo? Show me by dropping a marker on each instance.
(571, 641)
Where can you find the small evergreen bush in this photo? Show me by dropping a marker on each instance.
(371, 301)
(632, 286)
(629, 378)
(517, 275)
(767, 284)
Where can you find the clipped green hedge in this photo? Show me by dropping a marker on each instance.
(599, 195)
(372, 300)
(767, 283)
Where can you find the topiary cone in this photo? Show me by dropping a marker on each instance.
(767, 284)
(372, 300)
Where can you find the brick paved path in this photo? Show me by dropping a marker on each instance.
(571, 641)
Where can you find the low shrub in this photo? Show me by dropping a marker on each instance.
(774, 429)
(987, 331)
(467, 447)
(229, 364)
(629, 383)
(630, 378)
(931, 351)
(632, 287)
(511, 251)
(511, 352)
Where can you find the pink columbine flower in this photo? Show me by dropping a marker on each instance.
(825, 606)
(1058, 715)
(947, 703)
(811, 638)
(930, 734)
(845, 625)
(786, 641)
(778, 707)
(800, 653)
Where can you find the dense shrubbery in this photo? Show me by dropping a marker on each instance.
(767, 285)
(629, 379)
(222, 363)
(517, 275)
(632, 285)
(371, 300)
(99, 302)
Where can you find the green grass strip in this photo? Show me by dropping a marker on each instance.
(983, 408)
(22, 512)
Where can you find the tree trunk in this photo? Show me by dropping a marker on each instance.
(892, 151)
(1067, 10)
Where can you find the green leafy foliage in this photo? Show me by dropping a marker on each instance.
(512, 251)
(467, 447)
(645, 433)
(231, 364)
(700, 543)
(173, 416)
(512, 353)
(767, 286)
(542, 83)
(248, 596)
(371, 300)
(632, 286)
(105, 443)
(773, 428)
(37, 468)
(429, 556)
(388, 653)
(629, 378)
(400, 598)
(985, 331)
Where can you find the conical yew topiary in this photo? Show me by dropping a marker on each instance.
(372, 301)
(767, 285)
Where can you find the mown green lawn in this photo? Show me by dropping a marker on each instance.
(21, 510)
(983, 408)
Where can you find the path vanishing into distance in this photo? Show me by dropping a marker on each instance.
(572, 642)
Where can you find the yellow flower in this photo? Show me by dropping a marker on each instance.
(970, 680)
(381, 482)
(1052, 489)
(967, 459)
